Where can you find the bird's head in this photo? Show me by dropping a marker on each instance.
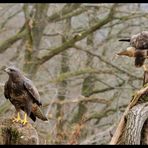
(13, 72)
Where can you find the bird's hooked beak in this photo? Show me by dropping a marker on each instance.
(7, 70)
(125, 52)
(130, 52)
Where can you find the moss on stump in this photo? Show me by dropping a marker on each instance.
(16, 134)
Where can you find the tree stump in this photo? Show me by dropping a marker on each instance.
(135, 131)
(133, 128)
(16, 134)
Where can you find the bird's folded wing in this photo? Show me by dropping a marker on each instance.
(29, 86)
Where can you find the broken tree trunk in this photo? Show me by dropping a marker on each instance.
(135, 131)
(16, 134)
(132, 128)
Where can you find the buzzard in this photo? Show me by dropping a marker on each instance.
(23, 95)
(138, 49)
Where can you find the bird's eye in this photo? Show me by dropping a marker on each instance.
(11, 70)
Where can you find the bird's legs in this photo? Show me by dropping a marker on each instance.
(18, 118)
(25, 119)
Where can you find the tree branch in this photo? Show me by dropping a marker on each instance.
(9, 17)
(68, 44)
(68, 75)
(108, 63)
(100, 115)
(80, 99)
(7, 43)
(106, 89)
(62, 13)
(71, 14)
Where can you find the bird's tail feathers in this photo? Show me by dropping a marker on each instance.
(39, 113)
(32, 116)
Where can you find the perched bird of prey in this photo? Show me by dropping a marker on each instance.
(138, 49)
(23, 95)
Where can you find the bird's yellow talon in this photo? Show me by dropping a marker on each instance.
(24, 122)
(18, 119)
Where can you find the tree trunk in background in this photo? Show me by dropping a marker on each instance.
(62, 88)
(87, 86)
(36, 21)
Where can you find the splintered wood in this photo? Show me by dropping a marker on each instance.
(136, 97)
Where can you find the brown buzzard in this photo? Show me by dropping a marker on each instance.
(23, 95)
(138, 49)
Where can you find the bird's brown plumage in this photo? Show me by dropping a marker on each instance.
(139, 40)
(23, 94)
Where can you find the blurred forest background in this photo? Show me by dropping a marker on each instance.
(68, 51)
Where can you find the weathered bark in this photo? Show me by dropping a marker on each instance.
(139, 97)
(133, 130)
(14, 133)
(144, 134)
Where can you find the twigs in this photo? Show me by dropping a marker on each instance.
(108, 63)
(81, 99)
